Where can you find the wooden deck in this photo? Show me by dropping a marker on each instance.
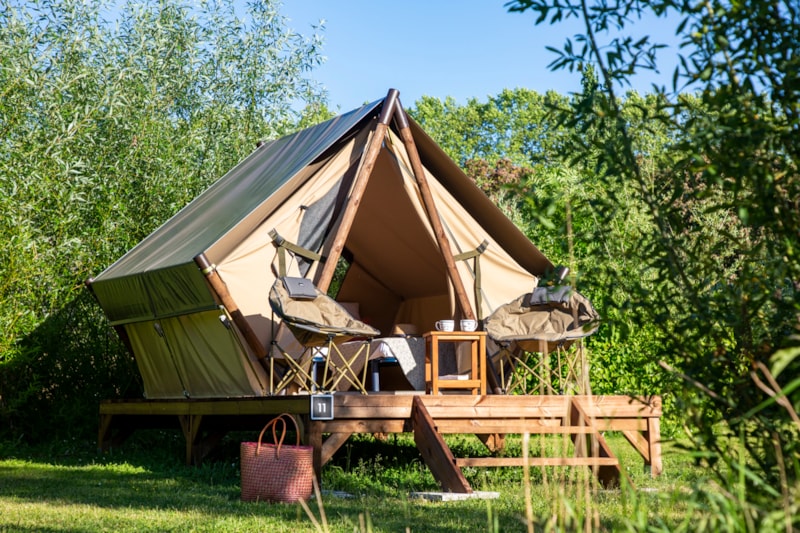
(428, 417)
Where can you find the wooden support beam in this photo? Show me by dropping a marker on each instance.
(607, 474)
(433, 213)
(107, 438)
(314, 438)
(332, 445)
(494, 442)
(435, 451)
(221, 289)
(205, 445)
(325, 276)
(104, 433)
(639, 442)
(190, 424)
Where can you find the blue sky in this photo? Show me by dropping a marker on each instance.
(440, 48)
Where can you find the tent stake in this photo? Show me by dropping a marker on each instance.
(433, 213)
(367, 164)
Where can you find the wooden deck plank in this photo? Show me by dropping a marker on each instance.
(227, 406)
(366, 426)
(507, 427)
(494, 406)
(394, 405)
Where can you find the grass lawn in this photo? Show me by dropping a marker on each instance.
(144, 486)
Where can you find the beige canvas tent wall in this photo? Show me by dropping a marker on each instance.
(191, 299)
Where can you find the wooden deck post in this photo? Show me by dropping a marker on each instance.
(314, 438)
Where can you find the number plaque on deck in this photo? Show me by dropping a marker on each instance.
(321, 406)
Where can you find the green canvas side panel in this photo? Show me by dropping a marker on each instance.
(178, 291)
(124, 300)
(210, 358)
(152, 354)
(194, 356)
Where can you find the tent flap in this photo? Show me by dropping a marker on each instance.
(153, 295)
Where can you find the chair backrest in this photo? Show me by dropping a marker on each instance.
(319, 316)
(306, 310)
(559, 314)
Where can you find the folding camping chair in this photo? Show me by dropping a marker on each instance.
(549, 321)
(318, 323)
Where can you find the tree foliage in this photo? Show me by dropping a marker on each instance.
(111, 121)
(716, 270)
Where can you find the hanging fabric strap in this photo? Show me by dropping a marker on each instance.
(283, 245)
(476, 253)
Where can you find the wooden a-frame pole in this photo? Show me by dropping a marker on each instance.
(391, 106)
(367, 164)
(433, 213)
(221, 290)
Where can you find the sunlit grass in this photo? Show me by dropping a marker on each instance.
(144, 486)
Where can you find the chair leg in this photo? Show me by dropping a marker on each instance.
(336, 371)
(296, 371)
(503, 363)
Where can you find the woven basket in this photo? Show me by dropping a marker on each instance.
(276, 472)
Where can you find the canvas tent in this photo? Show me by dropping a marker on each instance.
(191, 300)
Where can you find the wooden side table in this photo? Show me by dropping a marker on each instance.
(477, 378)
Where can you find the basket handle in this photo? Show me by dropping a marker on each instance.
(274, 423)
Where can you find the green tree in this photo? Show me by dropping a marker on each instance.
(716, 270)
(107, 128)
